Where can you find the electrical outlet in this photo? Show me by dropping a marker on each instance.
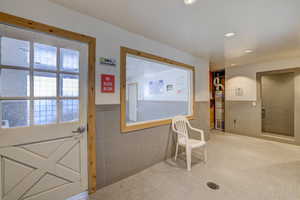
(234, 123)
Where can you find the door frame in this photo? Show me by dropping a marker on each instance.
(91, 115)
(137, 93)
(260, 101)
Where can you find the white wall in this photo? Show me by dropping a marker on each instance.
(244, 77)
(109, 39)
(175, 77)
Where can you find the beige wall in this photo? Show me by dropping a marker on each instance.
(244, 77)
(243, 108)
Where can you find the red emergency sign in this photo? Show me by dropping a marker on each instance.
(107, 83)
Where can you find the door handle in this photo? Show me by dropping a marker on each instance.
(263, 113)
(78, 132)
(80, 129)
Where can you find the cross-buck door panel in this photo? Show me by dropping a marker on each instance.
(31, 171)
(43, 115)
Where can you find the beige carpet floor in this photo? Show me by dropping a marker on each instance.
(245, 168)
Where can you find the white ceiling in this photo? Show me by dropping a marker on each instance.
(270, 27)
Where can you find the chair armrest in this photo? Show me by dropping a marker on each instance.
(199, 131)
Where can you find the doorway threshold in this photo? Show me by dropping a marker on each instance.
(278, 137)
(81, 196)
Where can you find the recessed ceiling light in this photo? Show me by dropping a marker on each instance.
(231, 34)
(232, 65)
(189, 2)
(248, 51)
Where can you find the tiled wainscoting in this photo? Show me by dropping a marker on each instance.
(121, 155)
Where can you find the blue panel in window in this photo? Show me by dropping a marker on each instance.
(70, 110)
(15, 113)
(69, 60)
(45, 112)
(45, 56)
(14, 52)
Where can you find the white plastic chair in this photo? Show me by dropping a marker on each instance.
(181, 126)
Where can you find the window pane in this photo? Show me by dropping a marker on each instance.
(70, 85)
(155, 90)
(15, 113)
(44, 84)
(19, 87)
(14, 52)
(44, 56)
(69, 60)
(70, 110)
(44, 112)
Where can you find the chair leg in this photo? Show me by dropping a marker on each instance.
(205, 154)
(176, 152)
(188, 158)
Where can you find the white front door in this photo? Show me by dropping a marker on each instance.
(133, 101)
(43, 110)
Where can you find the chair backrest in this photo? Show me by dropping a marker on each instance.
(180, 124)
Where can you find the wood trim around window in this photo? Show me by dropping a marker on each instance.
(123, 53)
(36, 26)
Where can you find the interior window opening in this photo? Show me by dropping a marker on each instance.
(156, 91)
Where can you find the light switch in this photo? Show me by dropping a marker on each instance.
(239, 92)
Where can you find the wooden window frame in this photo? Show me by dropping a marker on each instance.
(143, 125)
(91, 42)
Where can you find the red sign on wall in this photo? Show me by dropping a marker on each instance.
(107, 83)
